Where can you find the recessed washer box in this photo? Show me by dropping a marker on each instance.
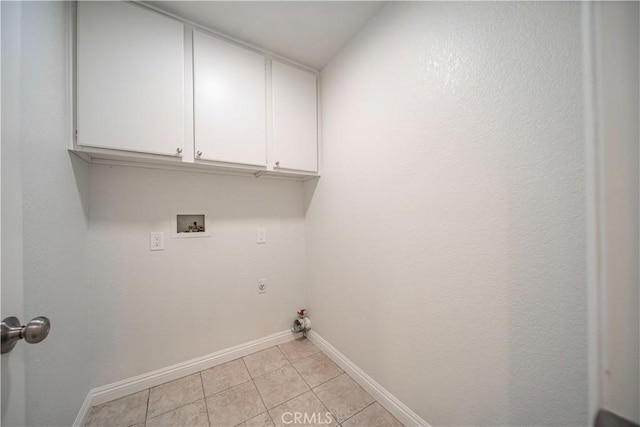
(188, 224)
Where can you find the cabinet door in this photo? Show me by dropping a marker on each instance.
(229, 102)
(295, 129)
(130, 78)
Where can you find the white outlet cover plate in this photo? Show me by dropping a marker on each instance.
(156, 241)
(261, 235)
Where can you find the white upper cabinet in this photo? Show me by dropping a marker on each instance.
(149, 85)
(130, 79)
(229, 102)
(295, 126)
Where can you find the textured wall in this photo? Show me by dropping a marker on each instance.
(150, 310)
(617, 34)
(446, 237)
(55, 218)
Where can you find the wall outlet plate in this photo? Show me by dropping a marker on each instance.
(262, 286)
(156, 241)
(261, 235)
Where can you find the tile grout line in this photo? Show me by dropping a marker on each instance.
(313, 355)
(181, 406)
(305, 381)
(255, 352)
(351, 416)
(288, 400)
(303, 358)
(332, 378)
(280, 404)
(375, 401)
(258, 390)
(146, 413)
(335, 416)
(314, 393)
(262, 375)
(268, 372)
(228, 388)
(297, 395)
(263, 404)
(294, 397)
(206, 407)
(110, 402)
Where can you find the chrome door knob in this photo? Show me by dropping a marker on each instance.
(179, 150)
(33, 332)
(278, 164)
(199, 153)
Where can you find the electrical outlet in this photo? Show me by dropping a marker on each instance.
(156, 241)
(262, 286)
(261, 236)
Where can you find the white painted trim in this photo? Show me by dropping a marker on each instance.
(83, 413)
(100, 395)
(399, 410)
(195, 169)
(592, 200)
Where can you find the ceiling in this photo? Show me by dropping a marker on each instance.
(309, 32)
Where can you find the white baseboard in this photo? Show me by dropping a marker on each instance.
(83, 413)
(100, 395)
(399, 410)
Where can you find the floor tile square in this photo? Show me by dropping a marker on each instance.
(172, 395)
(343, 397)
(262, 420)
(265, 361)
(123, 412)
(306, 410)
(298, 349)
(373, 416)
(224, 376)
(317, 369)
(192, 415)
(280, 385)
(234, 405)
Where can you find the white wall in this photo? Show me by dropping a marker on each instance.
(55, 217)
(617, 33)
(149, 309)
(446, 237)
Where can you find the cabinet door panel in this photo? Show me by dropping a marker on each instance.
(295, 130)
(229, 102)
(130, 78)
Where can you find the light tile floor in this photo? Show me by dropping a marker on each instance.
(267, 388)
